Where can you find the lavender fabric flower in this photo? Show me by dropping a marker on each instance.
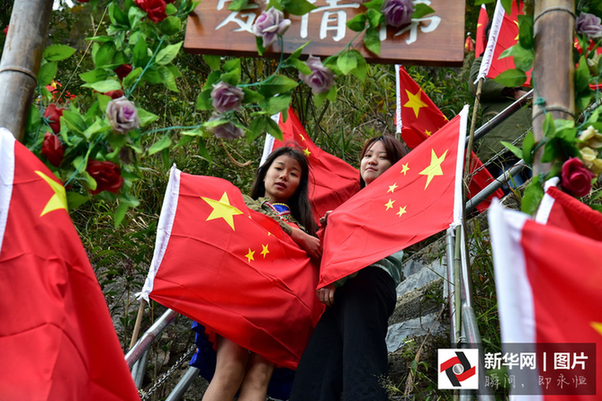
(589, 25)
(226, 97)
(123, 115)
(269, 24)
(321, 78)
(227, 130)
(398, 12)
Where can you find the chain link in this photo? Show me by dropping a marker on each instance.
(144, 395)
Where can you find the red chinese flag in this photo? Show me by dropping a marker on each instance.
(415, 198)
(232, 269)
(57, 340)
(481, 25)
(331, 181)
(418, 118)
(549, 288)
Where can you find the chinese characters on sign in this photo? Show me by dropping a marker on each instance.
(435, 39)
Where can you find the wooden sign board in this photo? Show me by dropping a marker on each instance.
(436, 39)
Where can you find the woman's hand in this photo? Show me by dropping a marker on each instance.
(324, 219)
(311, 244)
(326, 294)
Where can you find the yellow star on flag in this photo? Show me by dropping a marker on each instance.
(402, 210)
(434, 168)
(302, 137)
(264, 250)
(597, 326)
(58, 200)
(392, 188)
(414, 102)
(389, 204)
(427, 132)
(222, 209)
(249, 255)
(307, 152)
(404, 169)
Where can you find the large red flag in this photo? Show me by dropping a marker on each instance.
(57, 340)
(481, 41)
(415, 198)
(418, 118)
(549, 289)
(232, 269)
(331, 181)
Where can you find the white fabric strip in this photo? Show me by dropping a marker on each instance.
(7, 175)
(269, 141)
(398, 122)
(547, 203)
(498, 18)
(166, 219)
(458, 203)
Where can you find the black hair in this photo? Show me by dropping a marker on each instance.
(299, 201)
(395, 150)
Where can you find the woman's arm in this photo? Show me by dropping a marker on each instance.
(311, 244)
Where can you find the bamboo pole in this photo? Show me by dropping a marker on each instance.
(25, 42)
(553, 67)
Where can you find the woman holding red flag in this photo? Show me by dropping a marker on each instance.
(347, 353)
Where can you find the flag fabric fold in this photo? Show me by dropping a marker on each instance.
(418, 118)
(232, 269)
(481, 42)
(549, 290)
(415, 198)
(331, 181)
(57, 340)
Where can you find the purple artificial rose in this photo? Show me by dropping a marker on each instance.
(227, 130)
(122, 115)
(226, 97)
(398, 12)
(589, 25)
(321, 78)
(269, 24)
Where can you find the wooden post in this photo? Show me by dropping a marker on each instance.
(20, 62)
(553, 67)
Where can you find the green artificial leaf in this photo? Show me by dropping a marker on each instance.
(120, 214)
(204, 101)
(194, 132)
(251, 96)
(555, 170)
(232, 77)
(532, 196)
(276, 85)
(347, 61)
(551, 150)
(372, 40)
(170, 9)
(232, 65)
(528, 144)
(184, 140)
(256, 128)
(479, 2)
(523, 59)
(273, 128)
(595, 115)
(171, 26)
(117, 15)
(276, 4)
(152, 76)
(297, 7)
(596, 207)
(357, 23)
(260, 48)
(95, 75)
(99, 126)
(360, 71)
(525, 31)
(75, 200)
(120, 58)
(104, 55)
(373, 18)
(74, 121)
(47, 73)
(135, 16)
(420, 10)
(131, 78)
(295, 55)
(511, 78)
(583, 101)
(58, 52)
(507, 4)
(168, 78)
(101, 39)
(146, 117)
(140, 55)
(104, 86)
(549, 128)
(213, 78)
(167, 54)
(517, 151)
(202, 148)
(238, 5)
(278, 103)
(214, 62)
(582, 76)
(163, 143)
(300, 66)
(332, 93)
(34, 119)
(562, 124)
(374, 5)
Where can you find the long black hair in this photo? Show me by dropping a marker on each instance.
(395, 150)
(299, 201)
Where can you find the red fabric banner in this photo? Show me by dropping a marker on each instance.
(57, 340)
(332, 181)
(481, 41)
(414, 199)
(233, 270)
(421, 119)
